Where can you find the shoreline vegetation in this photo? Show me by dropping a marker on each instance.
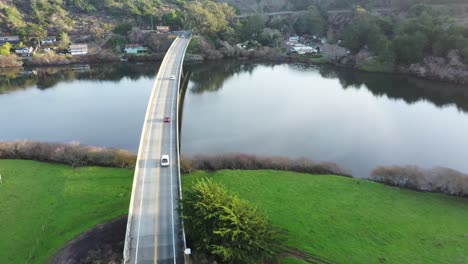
(273, 184)
(73, 154)
(437, 180)
(283, 197)
(420, 71)
(427, 41)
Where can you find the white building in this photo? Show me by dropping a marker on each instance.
(304, 50)
(9, 39)
(78, 49)
(135, 49)
(294, 38)
(49, 40)
(24, 51)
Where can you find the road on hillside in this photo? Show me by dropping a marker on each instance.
(284, 13)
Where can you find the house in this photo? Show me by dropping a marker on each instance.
(243, 45)
(24, 52)
(9, 39)
(135, 48)
(294, 38)
(78, 49)
(148, 31)
(303, 50)
(162, 29)
(49, 40)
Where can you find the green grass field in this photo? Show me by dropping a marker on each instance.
(42, 206)
(349, 220)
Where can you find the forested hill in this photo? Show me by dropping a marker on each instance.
(250, 6)
(34, 17)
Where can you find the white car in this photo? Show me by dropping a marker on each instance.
(172, 77)
(164, 160)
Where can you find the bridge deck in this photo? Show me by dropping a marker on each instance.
(153, 229)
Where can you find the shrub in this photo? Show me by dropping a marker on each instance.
(252, 162)
(443, 180)
(10, 61)
(226, 227)
(122, 29)
(73, 154)
(50, 58)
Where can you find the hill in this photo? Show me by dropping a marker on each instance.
(39, 18)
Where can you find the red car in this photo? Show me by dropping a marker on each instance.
(167, 119)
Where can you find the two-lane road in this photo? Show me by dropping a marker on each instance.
(153, 230)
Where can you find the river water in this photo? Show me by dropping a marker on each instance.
(357, 120)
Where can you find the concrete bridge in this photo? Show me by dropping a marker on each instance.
(154, 234)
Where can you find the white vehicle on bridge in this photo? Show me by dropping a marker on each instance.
(164, 160)
(172, 77)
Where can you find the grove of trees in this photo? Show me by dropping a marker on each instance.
(424, 32)
(210, 18)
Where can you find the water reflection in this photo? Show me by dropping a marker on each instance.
(12, 79)
(102, 105)
(358, 120)
(410, 89)
(212, 76)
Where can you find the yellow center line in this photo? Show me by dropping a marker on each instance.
(161, 108)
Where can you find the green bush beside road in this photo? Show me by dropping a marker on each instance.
(42, 205)
(348, 220)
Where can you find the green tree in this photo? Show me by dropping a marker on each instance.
(227, 227)
(14, 19)
(209, 18)
(312, 22)
(122, 29)
(363, 31)
(251, 27)
(36, 33)
(64, 40)
(270, 37)
(173, 19)
(409, 48)
(5, 49)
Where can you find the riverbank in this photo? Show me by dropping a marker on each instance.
(62, 208)
(53, 204)
(348, 220)
(449, 70)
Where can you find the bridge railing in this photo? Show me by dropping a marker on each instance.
(178, 149)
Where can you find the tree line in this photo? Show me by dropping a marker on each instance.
(424, 32)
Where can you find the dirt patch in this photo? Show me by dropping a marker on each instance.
(103, 243)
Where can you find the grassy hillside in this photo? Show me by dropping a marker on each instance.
(355, 221)
(42, 206)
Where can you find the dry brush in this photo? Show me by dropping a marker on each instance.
(252, 162)
(439, 179)
(73, 154)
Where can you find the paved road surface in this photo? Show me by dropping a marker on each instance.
(153, 231)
